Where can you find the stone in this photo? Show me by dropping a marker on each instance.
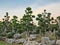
(45, 40)
(33, 36)
(17, 35)
(52, 42)
(10, 40)
(40, 44)
(58, 42)
(3, 38)
(31, 43)
(22, 40)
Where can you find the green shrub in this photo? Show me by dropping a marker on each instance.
(3, 34)
(10, 35)
(58, 33)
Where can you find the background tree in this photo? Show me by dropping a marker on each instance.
(27, 20)
(44, 21)
(14, 24)
(58, 31)
(58, 21)
(1, 27)
(6, 23)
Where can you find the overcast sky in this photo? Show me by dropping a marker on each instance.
(17, 7)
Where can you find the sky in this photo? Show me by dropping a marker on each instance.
(17, 7)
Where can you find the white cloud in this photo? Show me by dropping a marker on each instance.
(52, 8)
(19, 12)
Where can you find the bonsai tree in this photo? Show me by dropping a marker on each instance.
(27, 20)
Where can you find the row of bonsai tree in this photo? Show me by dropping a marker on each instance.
(45, 23)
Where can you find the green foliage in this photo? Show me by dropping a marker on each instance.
(58, 17)
(26, 23)
(3, 34)
(27, 19)
(58, 33)
(10, 34)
